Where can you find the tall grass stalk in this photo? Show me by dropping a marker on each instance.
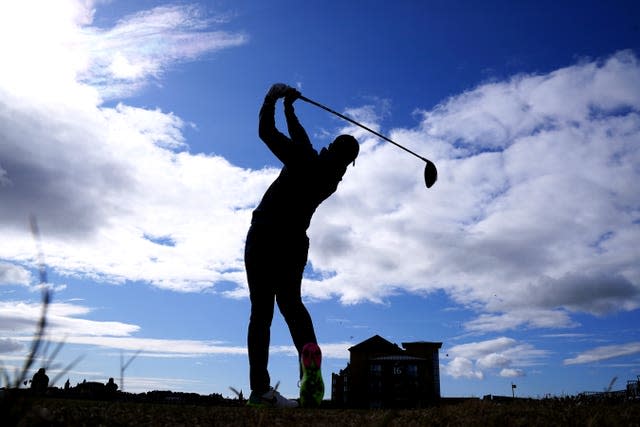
(15, 405)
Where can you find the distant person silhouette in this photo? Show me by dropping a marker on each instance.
(40, 382)
(111, 387)
(277, 245)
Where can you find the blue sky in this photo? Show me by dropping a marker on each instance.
(130, 130)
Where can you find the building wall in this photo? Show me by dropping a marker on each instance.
(381, 374)
(430, 352)
(396, 384)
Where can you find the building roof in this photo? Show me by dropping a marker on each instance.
(376, 343)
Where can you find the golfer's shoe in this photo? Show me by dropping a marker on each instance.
(270, 399)
(311, 385)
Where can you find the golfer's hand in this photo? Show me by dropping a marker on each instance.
(281, 90)
(291, 95)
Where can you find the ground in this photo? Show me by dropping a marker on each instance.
(69, 412)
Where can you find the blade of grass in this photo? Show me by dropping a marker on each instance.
(37, 339)
(66, 369)
(55, 352)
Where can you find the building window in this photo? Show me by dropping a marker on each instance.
(376, 369)
(375, 385)
(412, 370)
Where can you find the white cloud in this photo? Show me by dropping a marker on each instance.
(153, 347)
(493, 360)
(462, 367)
(532, 219)
(482, 348)
(19, 317)
(143, 45)
(511, 373)
(66, 322)
(48, 46)
(531, 318)
(11, 274)
(501, 356)
(101, 180)
(137, 384)
(10, 345)
(605, 352)
(539, 227)
(4, 180)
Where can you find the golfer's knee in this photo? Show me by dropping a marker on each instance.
(261, 317)
(292, 309)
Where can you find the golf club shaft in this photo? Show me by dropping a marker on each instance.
(342, 116)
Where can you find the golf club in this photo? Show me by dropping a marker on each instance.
(430, 171)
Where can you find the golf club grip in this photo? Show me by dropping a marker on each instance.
(342, 116)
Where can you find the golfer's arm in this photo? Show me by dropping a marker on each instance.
(278, 143)
(296, 131)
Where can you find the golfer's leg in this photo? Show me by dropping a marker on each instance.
(289, 298)
(258, 338)
(262, 300)
(298, 319)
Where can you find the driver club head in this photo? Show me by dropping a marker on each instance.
(430, 174)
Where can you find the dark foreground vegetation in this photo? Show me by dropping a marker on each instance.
(55, 411)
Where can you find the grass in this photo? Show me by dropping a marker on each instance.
(15, 404)
(67, 412)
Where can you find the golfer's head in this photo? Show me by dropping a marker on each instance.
(344, 149)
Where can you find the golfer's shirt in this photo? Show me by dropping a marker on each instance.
(305, 181)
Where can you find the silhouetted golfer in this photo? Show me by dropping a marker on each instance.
(277, 245)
